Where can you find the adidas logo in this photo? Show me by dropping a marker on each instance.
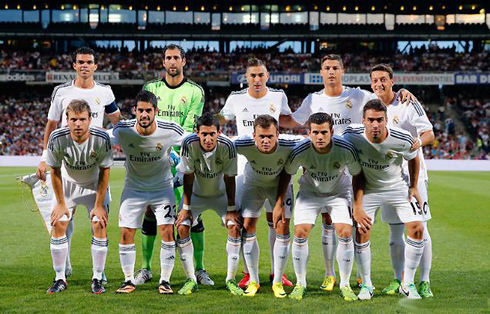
(245, 110)
(131, 145)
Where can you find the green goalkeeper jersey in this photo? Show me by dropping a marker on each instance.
(181, 104)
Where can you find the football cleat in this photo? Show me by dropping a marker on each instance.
(126, 288)
(410, 291)
(328, 284)
(284, 280)
(424, 290)
(58, 286)
(189, 287)
(244, 282)
(359, 281)
(232, 286)
(164, 288)
(97, 286)
(278, 290)
(347, 293)
(252, 289)
(366, 292)
(298, 292)
(203, 278)
(392, 288)
(142, 276)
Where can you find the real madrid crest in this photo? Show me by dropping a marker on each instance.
(183, 100)
(93, 154)
(280, 162)
(389, 155)
(44, 189)
(396, 120)
(336, 165)
(97, 100)
(218, 161)
(159, 146)
(272, 108)
(348, 104)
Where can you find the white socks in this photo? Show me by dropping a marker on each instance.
(426, 261)
(127, 256)
(59, 251)
(99, 255)
(167, 260)
(233, 252)
(363, 261)
(345, 259)
(186, 253)
(413, 254)
(251, 254)
(397, 249)
(281, 255)
(329, 245)
(69, 235)
(300, 259)
(272, 242)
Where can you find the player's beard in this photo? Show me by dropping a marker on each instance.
(174, 74)
(149, 124)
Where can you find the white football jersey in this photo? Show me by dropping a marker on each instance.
(411, 117)
(79, 162)
(98, 97)
(209, 167)
(246, 108)
(264, 169)
(344, 109)
(324, 173)
(147, 157)
(382, 162)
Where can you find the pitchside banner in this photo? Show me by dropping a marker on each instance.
(472, 78)
(274, 78)
(62, 77)
(400, 78)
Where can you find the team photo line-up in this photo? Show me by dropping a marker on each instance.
(363, 152)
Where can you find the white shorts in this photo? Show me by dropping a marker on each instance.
(241, 162)
(395, 203)
(309, 205)
(134, 203)
(388, 216)
(200, 204)
(253, 197)
(77, 195)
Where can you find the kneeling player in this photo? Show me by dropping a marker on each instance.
(80, 157)
(149, 183)
(266, 154)
(381, 151)
(209, 165)
(324, 187)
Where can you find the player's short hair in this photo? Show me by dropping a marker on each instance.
(78, 106)
(374, 104)
(265, 121)
(172, 47)
(332, 57)
(382, 67)
(255, 62)
(146, 96)
(207, 119)
(320, 118)
(84, 51)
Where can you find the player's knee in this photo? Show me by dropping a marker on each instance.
(282, 228)
(167, 232)
(183, 231)
(343, 231)
(233, 231)
(417, 231)
(300, 232)
(199, 227)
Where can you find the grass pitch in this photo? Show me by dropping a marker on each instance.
(460, 271)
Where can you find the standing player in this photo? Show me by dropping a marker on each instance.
(147, 144)
(412, 118)
(180, 100)
(324, 185)
(79, 156)
(100, 99)
(381, 151)
(344, 104)
(245, 106)
(266, 154)
(208, 162)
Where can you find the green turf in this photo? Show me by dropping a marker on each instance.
(460, 275)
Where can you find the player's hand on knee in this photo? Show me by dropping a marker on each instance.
(278, 215)
(101, 215)
(59, 211)
(363, 221)
(183, 216)
(41, 171)
(234, 218)
(413, 192)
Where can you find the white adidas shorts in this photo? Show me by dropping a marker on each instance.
(241, 162)
(394, 203)
(200, 204)
(253, 197)
(388, 216)
(309, 205)
(134, 203)
(80, 195)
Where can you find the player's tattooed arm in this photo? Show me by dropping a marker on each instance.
(363, 221)
(426, 138)
(413, 170)
(185, 213)
(60, 209)
(278, 214)
(99, 211)
(232, 215)
(42, 168)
